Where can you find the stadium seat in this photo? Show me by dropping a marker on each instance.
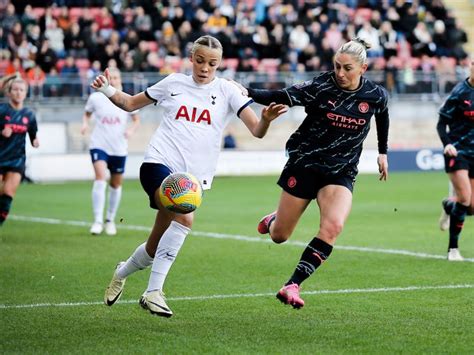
(269, 65)
(38, 11)
(60, 64)
(75, 13)
(83, 64)
(231, 63)
(3, 66)
(364, 12)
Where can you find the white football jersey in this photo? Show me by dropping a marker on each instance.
(110, 125)
(190, 134)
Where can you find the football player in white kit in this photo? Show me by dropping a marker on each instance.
(108, 149)
(196, 109)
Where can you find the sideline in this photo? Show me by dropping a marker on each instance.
(239, 237)
(248, 295)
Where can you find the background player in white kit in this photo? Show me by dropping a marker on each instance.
(108, 149)
(188, 140)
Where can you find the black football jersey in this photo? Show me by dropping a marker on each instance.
(331, 136)
(21, 122)
(457, 113)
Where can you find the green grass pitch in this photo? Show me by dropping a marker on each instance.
(387, 287)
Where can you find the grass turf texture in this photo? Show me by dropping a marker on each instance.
(57, 263)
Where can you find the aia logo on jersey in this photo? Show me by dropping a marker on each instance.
(25, 120)
(110, 120)
(291, 182)
(364, 107)
(195, 115)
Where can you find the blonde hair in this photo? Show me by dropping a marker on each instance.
(207, 41)
(357, 47)
(13, 79)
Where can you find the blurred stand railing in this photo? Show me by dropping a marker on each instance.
(400, 84)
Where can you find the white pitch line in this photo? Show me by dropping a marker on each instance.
(249, 295)
(239, 237)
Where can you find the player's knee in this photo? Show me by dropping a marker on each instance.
(185, 219)
(331, 229)
(279, 235)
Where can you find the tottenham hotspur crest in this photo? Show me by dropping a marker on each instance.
(213, 99)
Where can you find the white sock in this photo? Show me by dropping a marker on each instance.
(114, 201)
(139, 260)
(168, 248)
(98, 199)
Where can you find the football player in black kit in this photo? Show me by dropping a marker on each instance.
(323, 154)
(15, 122)
(457, 114)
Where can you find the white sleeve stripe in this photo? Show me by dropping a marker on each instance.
(289, 97)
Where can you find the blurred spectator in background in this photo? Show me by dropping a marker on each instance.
(4, 50)
(143, 24)
(15, 66)
(388, 40)
(8, 18)
(74, 42)
(46, 57)
(52, 84)
(69, 73)
(55, 35)
(36, 77)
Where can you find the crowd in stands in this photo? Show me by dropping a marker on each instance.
(49, 41)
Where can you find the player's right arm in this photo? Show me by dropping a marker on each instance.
(119, 98)
(85, 122)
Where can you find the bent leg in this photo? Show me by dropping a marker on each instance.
(290, 209)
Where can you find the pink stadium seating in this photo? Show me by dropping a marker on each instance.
(231, 63)
(269, 65)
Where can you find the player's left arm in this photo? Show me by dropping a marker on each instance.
(134, 126)
(257, 127)
(382, 122)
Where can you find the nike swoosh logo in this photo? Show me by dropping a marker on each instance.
(111, 302)
(175, 93)
(163, 308)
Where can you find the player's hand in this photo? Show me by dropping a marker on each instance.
(382, 161)
(272, 111)
(242, 88)
(36, 143)
(450, 150)
(84, 128)
(7, 132)
(102, 84)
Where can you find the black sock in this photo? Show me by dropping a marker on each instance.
(458, 214)
(313, 256)
(5, 205)
(448, 206)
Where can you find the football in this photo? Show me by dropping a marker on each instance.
(181, 193)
